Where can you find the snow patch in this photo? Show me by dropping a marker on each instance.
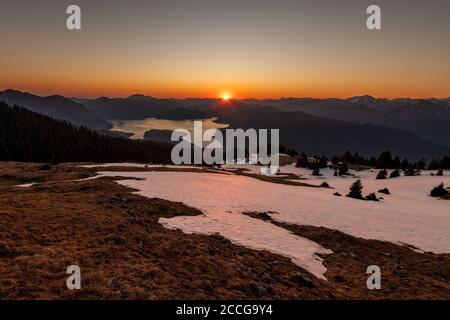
(204, 192)
(406, 216)
(26, 185)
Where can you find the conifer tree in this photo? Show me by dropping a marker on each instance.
(382, 174)
(356, 190)
(343, 169)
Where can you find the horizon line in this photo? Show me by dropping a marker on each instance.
(219, 98)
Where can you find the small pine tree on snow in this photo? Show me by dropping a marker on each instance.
(343, 169)
(382, 174)
(323, 162)
(316, 172)
(384, 191)
(315, 169)
(356, 190)
(412, 170)
(372, 197)
(440, 172)
(439, 191)
(302, 161)
(335, 160)
(395, 174)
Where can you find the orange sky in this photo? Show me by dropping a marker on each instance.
(197, 48)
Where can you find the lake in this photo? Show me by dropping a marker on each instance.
(139, 127)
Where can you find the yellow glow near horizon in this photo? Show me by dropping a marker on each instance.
(222, 46)
(226, 96)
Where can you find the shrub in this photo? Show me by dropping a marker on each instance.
(372, 197)
(324, 185)
(412, 171)
(384, 191)
(356, 190)
(302, 161)
(439, 191)
(440, 172)
(382, 174)
(343, 169)
(395, 174)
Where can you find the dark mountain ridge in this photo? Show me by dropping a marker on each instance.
(427, 118)
(57, 107)
(32, 137)
(322, 136)
(132, 108)
(323, 126)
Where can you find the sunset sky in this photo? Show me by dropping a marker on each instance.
(249, 48)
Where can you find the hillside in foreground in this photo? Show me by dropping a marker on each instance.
(126, 248)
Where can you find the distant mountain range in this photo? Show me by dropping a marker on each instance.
(140, 107)
(57, 107)
(324, 136)
(408, 127)
(427, 118)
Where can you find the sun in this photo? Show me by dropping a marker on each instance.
(226, 96)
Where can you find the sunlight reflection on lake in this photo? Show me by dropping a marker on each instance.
(139, 127)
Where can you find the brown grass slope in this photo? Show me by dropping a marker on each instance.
(124, 253)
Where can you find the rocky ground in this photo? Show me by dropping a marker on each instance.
(124, 253)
